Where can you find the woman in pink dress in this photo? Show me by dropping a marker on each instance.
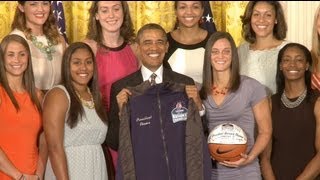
(111, 35)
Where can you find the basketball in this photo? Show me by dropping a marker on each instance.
(226, 142)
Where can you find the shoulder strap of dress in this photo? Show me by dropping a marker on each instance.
(65, 91)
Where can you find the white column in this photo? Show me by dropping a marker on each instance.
(299, 16)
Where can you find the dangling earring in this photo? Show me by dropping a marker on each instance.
(201, 21)
(177, 23)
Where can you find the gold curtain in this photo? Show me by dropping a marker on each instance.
(226, 16)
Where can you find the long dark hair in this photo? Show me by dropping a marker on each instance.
(76, 108)
(207, 67)
(279, 30)
(28, 78)
(280, 80)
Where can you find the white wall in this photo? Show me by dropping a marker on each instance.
(299, 16)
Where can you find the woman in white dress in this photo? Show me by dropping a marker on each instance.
(35, 22)
(75, 121)
(264, 28)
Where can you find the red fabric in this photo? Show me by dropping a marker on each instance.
(114, 64)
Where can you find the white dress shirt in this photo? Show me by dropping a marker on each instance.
(146, 74)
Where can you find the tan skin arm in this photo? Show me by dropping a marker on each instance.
(134, 47)
(312, 170)
(262, 115)
(92, 44)
(43, 150)
(7, 167)
(43, 156)
(266, 168)
(54, 112)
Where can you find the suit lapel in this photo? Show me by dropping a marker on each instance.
(166, 75)
(137, 78)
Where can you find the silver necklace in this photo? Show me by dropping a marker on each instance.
(293, 104)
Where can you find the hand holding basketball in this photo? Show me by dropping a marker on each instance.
(227, 142)
(245, 159)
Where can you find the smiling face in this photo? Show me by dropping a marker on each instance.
(263, 19)
(16, 59)
(294, 64)
(110, 15)
(36, 12)
(152, 47)
(221, 54)
(189, 13)
(81, 67)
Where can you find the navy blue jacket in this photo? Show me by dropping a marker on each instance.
(161, 136)
(132, 80)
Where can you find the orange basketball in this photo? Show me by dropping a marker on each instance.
(226, 142)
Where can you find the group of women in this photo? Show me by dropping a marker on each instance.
(55, 97)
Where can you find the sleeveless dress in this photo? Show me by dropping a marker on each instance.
(19, 132)
(114, 64)
(236, 108)
(186, 59)
(293, 137)
(260, 64)
(84, 154)
(47, 73)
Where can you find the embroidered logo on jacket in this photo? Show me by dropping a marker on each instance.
(179, 113)
(144, 120)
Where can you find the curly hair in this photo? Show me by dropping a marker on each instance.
(279, 30)
(50, 28)
(95, 29)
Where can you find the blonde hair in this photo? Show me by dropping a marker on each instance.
(315, 49)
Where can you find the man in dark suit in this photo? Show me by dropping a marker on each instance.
(151, 46)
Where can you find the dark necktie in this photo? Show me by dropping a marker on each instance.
(153, 79)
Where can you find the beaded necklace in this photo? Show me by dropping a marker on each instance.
(48, 50)
(293, 104)
(89, 104)
(216, 90)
